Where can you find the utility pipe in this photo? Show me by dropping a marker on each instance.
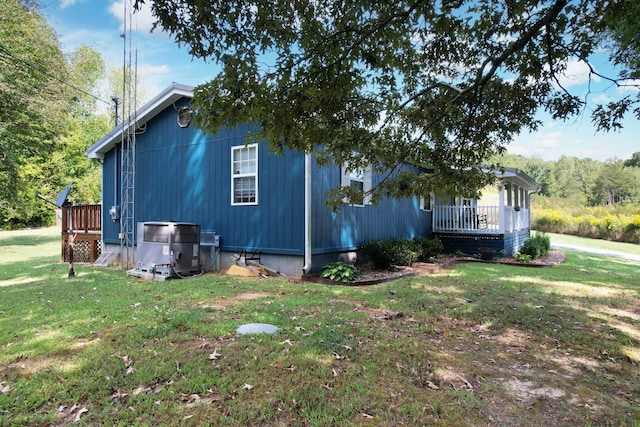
(307, 213)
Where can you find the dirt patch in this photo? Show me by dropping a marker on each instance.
(527, 390)
(225, 302)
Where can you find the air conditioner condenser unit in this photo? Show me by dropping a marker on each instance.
(168, 248)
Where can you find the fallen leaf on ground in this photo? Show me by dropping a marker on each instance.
(79, 414)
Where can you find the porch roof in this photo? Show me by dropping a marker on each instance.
(514, 176)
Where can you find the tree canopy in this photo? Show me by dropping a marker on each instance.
(46, 117)
(444, 84)
(32, 109)
(582, 182)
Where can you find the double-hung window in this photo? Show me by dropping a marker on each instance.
(244, 175)
(360, 181)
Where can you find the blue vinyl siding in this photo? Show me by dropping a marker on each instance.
(110, 178)
(183, 174)
(513, 241)
(353, 225)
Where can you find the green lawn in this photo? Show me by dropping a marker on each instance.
(482, 344)
(604, 245)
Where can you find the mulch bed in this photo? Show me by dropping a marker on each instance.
(372, 276)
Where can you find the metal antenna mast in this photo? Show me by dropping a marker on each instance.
(128, 141)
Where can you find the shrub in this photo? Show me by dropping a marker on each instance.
(522, 257)
(385, 254)
(379, 253)
(427, 248)
(340, 272)
(536, 246)
(632, 230)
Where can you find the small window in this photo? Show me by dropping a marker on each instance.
(361, 181)
(426, 202)
(244, 175)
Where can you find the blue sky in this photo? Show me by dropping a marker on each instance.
(99, 24)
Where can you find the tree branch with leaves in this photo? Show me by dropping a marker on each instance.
(446, 84)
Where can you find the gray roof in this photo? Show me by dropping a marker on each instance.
(148, 111)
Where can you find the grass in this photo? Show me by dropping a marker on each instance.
(482, 344)
(600, 244)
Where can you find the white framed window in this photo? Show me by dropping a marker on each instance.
(244, 175)
(426, 202)
(361, 180)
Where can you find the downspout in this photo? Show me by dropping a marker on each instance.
(307, 213)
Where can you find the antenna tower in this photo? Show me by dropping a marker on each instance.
(128, 141)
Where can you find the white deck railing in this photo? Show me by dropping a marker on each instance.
(479, 219)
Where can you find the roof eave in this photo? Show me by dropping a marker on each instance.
(152, 108)
(518, 177)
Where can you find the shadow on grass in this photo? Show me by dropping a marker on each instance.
(32, 240)
(110, 343)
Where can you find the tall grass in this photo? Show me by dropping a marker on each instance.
(616, 223)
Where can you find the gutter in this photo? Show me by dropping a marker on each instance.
(307, 214)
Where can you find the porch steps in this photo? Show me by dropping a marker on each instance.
(107, 259)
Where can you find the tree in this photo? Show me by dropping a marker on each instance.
(125, 86)
(47, 118)
(444, 84)
(33, 106)
(622, 25)
(615, 184)
(634, 161)
(542, 173)
(86, 68)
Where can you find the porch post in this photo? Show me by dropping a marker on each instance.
(501, 212)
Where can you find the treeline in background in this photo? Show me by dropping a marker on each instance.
(584, 197)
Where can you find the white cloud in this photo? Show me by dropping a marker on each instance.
(630, 85)
(142, 19)
(68, 3)
(602, 98)
(576, 73)
(147, 70)
(550, 140)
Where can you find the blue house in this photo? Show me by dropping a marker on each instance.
(275, 205)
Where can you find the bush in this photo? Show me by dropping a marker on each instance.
(427, 248)
(536, 246)
(617, 223)
(384, 254)
(340, 272)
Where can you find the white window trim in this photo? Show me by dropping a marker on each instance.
(367, 184)
(422, 203)
(243, 175)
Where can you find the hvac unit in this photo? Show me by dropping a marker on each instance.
(168, 248)
(209, 251)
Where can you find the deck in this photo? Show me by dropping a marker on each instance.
(83, 224)
(481, 220)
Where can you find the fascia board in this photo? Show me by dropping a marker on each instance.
(148, 111)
